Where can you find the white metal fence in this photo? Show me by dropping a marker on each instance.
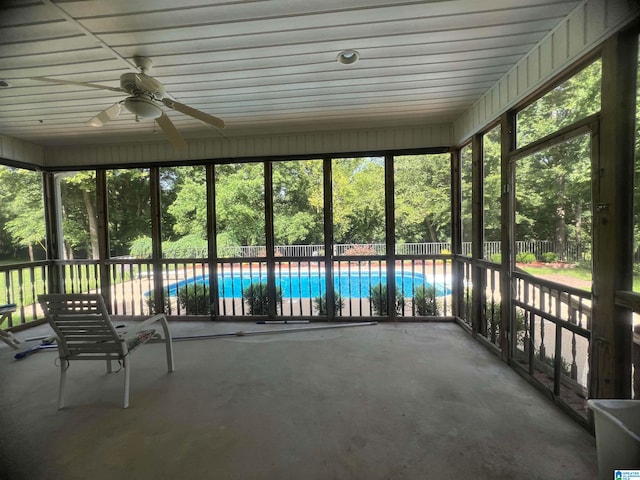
(571, 252)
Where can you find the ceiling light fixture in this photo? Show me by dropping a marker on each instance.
(347, 57)
(4, 84)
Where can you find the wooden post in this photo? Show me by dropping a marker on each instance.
(613, 172)
(507, 240)
(390, 239)
(104, 249)
(270, 241)
(457, 285)
(478, 301)
(156, 240)
(53, 225)
(328, 237)
(212, 250)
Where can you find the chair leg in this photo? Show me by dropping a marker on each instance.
(109, 369)
(169, 345)
(126, 364)
(63, 377)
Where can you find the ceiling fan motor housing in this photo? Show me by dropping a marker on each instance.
(139, 83)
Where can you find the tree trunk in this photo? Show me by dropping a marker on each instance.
(31, 258)
(93, 227)
(561, 228)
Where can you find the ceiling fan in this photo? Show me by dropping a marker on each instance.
(145, 96)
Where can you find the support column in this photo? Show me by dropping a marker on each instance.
(457, 284)
(53, 225)
(507, 240)
(212, 255)
(478, 301)
(103, 236)
(156, 239)
(270, 241)
(390, 236)
(613, 172)
(328, 238)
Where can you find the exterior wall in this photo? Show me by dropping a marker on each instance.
(586, 27)
(19, 151)
(255, 146)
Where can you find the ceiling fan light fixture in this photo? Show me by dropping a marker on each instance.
(348, 57)
(142, 107)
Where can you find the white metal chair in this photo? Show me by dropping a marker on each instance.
(84, 331)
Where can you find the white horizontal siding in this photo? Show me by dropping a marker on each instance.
(254, 146)
(590, 23)
(20, 151)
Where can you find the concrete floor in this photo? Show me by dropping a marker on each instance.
(390, 401)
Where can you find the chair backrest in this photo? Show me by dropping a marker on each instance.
(82, 324)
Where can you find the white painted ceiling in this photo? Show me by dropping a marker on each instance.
(263, 66)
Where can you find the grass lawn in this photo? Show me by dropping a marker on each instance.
(579, 273)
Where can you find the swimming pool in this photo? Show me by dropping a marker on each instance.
(296, 284)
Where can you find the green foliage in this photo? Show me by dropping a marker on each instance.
(298, 202)
(194, 299)
(422, 198)
(525, 257)
(549, 360)
(129, 201)
(255, 294)
(189, 206)
(496, 258)
(549, 257)
(151, 303)
(320, 303)
(424, 300)
(379, 302)
(22, 208)
(141, 248)
(189, 246)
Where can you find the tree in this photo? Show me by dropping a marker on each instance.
(553, 186)
(358, 200)
(240, 203)
(79, 216)
(423, 198)
(129, 207)
(298, 203)
(22, 208)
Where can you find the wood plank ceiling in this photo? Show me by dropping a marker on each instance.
(262, 66)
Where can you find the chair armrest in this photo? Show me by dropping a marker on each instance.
(131, 332)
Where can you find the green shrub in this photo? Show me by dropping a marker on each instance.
(378, 298)
(424, 300)
(141, 248)
(496, 258)
(549, 257)
(151, 303)
(320, 303)
(255, 294)
(525, 257)
(189, 246)
(194, 299)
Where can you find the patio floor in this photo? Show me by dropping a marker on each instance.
(389, 401)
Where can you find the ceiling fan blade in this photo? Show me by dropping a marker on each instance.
(103, 117)
(79, 84)
(192, 112)
(170, 131)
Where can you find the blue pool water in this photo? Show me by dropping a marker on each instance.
(312, 284)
